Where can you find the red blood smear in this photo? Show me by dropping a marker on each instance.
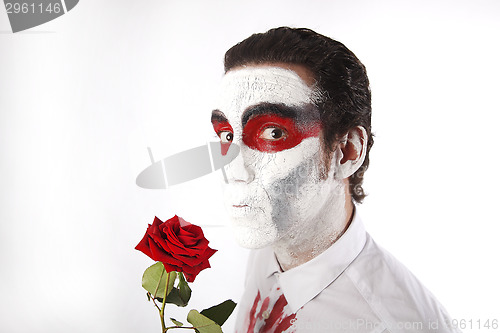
(263, 308)
(252, 313)
(285, 324)
(275, 313)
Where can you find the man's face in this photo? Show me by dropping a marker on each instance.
(278, 184)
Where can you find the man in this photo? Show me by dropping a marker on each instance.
(298, 105)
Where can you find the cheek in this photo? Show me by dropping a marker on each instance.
(290, 167)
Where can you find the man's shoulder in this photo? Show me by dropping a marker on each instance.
(374, 262)
(392, 290)
(378, 272)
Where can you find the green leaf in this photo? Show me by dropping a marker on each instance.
(176, 322)
(154, 280)
(219, 313)
(202, 323)
(175, 298)
(184, 290)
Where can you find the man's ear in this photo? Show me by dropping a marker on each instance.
(351, 152)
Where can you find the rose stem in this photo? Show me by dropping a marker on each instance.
(162, 311)
(184, 327)
(154, 302)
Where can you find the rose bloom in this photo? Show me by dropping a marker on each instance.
(179, 245)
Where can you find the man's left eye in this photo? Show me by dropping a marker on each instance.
(273, 134)
(226, 136)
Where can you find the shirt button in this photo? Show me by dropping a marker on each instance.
(265, 314)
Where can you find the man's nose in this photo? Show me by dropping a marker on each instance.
(241, 168)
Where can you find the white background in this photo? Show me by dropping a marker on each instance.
(83, 96)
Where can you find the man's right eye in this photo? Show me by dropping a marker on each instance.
(226, 136)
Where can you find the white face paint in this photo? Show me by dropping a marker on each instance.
(277, 191)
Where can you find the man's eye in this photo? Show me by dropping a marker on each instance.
(273, 133)
(226, 136)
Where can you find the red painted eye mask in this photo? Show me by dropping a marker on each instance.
(272, 133)
(225, 133)
(269, 127)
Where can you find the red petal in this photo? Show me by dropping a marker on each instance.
(171, 268)
(179, 245)
(143, 245)
(182, 222)
(159, 255)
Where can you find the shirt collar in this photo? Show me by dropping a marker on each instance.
(316, 274)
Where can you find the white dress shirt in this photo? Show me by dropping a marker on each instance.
(353, 286)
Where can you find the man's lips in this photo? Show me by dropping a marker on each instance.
(242, 210)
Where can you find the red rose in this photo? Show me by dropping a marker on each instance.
(179, 245)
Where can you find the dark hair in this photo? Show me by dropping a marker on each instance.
(341, 78)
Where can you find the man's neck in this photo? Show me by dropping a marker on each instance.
(297, 249)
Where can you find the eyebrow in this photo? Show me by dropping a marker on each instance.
(302, 113)
(218, 116)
